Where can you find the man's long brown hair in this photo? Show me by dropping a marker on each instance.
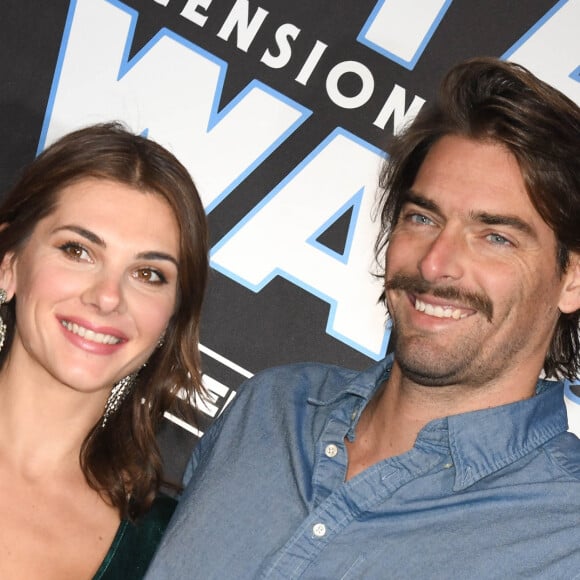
(490, 100)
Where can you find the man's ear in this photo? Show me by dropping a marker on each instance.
(8, 275)
(570, 296)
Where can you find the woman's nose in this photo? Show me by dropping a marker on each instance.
(105, 293)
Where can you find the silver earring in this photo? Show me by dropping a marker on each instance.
(3, 296)
(117, 395)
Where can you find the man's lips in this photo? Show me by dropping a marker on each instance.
(440, 310)
(459, 300)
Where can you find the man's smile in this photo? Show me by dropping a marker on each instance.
(439, 311)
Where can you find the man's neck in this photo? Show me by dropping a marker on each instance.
(391, 421)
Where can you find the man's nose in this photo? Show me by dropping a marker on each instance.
(444, 257)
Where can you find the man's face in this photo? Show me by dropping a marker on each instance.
(472, 281)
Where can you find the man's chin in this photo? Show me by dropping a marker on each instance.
(430, 369)
(429, 378)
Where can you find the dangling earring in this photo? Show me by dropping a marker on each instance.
(117, 395)
(3, 297)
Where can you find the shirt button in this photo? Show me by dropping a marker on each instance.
(319, 530)
(331, 450)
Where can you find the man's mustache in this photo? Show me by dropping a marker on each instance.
(417, 285)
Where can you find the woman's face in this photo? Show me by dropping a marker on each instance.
(95, 285)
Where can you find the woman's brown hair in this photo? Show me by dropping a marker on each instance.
(121, 460)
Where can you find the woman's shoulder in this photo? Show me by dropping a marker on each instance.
(159, 515)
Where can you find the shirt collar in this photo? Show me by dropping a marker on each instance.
(361, 384)
(367, 382)
(480, 442)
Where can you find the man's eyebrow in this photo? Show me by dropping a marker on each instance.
(483, 217)
(421, 201)
(511, 221)
(93, 238)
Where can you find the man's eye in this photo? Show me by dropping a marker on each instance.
(418, 218)
(498, 240)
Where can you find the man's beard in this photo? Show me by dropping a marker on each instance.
(416, 361)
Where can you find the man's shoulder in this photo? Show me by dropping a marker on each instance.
(306, 371)
(271, 394)
(289, 390)
(564, 452)
(309, 379)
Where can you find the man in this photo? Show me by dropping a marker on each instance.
(449, 459)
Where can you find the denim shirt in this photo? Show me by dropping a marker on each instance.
(488, 494)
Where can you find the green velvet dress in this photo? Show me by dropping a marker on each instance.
(135, 543)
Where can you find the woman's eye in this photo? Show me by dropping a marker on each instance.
(75, 251)
(150, 276)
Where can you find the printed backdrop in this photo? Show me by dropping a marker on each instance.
(281, 112)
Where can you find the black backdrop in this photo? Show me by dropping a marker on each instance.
(325, 75)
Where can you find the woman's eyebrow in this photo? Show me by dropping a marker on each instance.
(91, 236)
(95, 239)
(157, 256)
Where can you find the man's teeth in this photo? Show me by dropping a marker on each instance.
(90, 334)
(439, 311)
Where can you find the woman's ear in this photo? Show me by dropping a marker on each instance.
(7, 271)
(570, 296)
(8, 274)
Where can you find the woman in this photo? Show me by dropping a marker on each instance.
(103, 251)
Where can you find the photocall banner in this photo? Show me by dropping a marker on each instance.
(281, 111)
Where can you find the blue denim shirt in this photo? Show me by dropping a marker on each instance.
(489, 494)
